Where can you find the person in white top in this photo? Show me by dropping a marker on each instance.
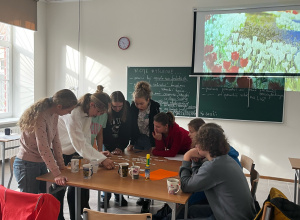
(75, 137)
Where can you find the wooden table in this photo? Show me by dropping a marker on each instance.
(295, 163)
(5, 139)
(110, 181)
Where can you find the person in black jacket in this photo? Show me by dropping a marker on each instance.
(117, 133)
(143, 109)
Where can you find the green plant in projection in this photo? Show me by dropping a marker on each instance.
(261, 25)
(292, 84)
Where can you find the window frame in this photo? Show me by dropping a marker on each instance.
(8, 44)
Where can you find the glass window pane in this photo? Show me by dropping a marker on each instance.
(4, 79)
(4, 32)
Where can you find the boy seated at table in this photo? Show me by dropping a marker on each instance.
(220, 177)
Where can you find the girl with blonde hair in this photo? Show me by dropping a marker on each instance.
(75, 137)
(39, 138)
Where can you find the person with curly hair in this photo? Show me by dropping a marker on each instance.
(40, 147)
(222, 180)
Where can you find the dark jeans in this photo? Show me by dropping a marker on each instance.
(85, 196)
(143, 143)
(26, 173)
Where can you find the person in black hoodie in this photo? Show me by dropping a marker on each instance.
(117, 133)
(143, 109)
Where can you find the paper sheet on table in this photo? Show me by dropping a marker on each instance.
(160, 174)
(178, 157)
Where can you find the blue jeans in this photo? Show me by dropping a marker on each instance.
(26, 173)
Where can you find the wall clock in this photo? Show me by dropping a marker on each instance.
(124, 43)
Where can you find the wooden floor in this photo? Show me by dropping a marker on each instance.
(263, 189)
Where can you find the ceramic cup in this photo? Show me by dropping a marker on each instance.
(95, 165)
(74, 165)
(7, 131)
(123, 169)
(134, 172)
(173, 186)
(87, 171)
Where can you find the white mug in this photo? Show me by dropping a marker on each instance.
(134, 172)
(87, 171)
(74, 165)
(123, 169)
(173, 186)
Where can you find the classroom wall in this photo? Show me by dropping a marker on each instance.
(161, 35)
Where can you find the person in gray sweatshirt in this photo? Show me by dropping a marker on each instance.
(220, 177)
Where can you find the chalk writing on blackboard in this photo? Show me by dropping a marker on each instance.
(171, 87)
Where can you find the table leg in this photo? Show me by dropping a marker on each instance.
(99, 200)
(105, 201)
(3, 163)
(186, 208)
(77, 203)
(173, 207)
(298, 185)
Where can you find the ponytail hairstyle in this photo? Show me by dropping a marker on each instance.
(65, 97)
(100, 99)
(210, 137)
(118, 96)
(196, 123)
(165, 118)
(142, 90)
(100, 88)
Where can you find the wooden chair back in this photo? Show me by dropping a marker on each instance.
(254, 178)
(95, 215)
(11, 162)
(247, 163)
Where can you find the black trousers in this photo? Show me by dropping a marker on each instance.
(85, 196)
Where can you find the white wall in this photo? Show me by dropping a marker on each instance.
(161, 35)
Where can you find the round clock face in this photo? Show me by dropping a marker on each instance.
(123, 43)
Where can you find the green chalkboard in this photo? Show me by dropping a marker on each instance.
(217, 101)
(171, 87)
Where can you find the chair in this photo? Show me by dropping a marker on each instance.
(249, 165)
(11, 162)
(278, 207)
(94, 215)
(25, 206)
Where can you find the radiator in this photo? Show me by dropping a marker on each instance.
(12, 152)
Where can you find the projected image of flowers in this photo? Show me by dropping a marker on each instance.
(263, 42)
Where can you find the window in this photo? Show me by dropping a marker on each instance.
(5, 70)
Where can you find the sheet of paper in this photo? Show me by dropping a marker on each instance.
(178, 157)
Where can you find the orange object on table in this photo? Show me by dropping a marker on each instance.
(161, 174)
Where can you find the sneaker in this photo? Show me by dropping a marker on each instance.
(146, 206)
(140, 202)
(123, 201)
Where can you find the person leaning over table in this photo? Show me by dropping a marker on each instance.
(170, 138)
(97, 125)
(117, 132)
(39, 138)
(220, 177)
(75, 137)
(142, 110)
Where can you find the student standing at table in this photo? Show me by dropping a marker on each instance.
(143, 109)
(38, 139)
(117, 132)
(97, 126)
(75, 137)
(170, 138)
(220, 177)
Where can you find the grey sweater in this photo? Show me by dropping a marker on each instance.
(224, 185)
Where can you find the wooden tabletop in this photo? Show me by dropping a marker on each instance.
(295, 163)
(110, 181)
